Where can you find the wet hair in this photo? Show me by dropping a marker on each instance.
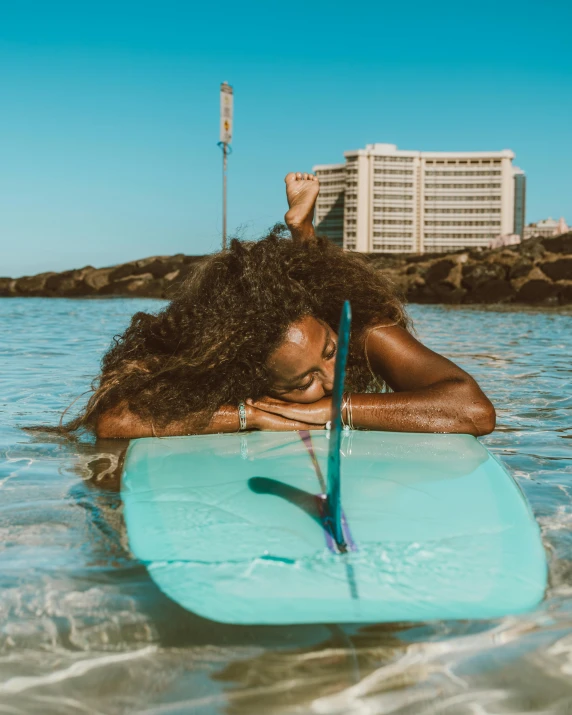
(210, 345)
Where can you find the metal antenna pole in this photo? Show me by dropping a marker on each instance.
(224, 167)
(226, 118)
(226, 150)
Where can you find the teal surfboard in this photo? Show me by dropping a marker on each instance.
(231, 527)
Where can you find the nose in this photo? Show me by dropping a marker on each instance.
(328, 380)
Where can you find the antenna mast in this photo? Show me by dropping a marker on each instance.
(226, 118)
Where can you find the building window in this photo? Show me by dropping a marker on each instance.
(462, 223)
(462, 211)
(399, 172)
(392, 247)
(462, 186)
(464, 236)
(392, 234)
(473, 172)
(446, 199)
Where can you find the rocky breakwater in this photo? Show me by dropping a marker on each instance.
(538, 271)
(156, 277)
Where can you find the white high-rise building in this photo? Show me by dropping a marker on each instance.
(387, 200)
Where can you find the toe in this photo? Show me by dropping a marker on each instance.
(291, 176)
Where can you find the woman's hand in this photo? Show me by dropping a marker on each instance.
(313, 415)
(259, 420)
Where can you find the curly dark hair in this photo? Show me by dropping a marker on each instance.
(210, 345)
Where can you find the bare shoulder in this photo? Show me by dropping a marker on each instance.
(404, 362)
(383, 335)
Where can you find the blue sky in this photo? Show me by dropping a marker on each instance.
(109, 118)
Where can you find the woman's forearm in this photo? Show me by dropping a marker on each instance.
(453, 407)
(120, 422)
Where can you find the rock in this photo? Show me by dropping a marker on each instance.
(565, 294)
(535, 274)
(160, 269)
(154, 288)
(7, 287)
(442, 292)
(129, 285)
(476, 274)
(532, 249)
(491, 291)
(537, 291)
(559, 244)
(438, 271)
(521, 268)
(158, 266)
(97, 278)
(448, 292)
(125, 270)
(69, 283)
(559, 270)
(33, 285)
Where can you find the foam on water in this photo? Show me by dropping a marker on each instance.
(84, 630)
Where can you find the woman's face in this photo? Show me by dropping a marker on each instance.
(302, 367)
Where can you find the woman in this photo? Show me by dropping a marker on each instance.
(256, 325)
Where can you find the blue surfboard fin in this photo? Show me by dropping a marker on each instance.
(333, 499)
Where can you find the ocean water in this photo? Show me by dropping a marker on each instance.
(84, 630)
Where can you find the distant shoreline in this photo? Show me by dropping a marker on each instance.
(537, 272)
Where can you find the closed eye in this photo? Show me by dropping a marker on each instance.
(306, 386)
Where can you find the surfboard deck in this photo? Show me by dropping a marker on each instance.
(229, 527)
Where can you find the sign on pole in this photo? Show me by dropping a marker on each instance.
(226, 110)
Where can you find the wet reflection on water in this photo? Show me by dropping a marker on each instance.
(84, 630)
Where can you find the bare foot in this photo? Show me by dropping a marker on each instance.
(301, 191)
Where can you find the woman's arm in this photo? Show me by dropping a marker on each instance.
(432, 394)
(121, 423)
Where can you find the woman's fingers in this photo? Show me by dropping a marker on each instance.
(277, 407)
(267, 401)
(316, 413)
(275, 422)
(291, 411)
(271, 406)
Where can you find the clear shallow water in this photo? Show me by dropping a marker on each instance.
(84, 630)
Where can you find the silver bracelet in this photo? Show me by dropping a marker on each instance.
(242, 416)
(349, 412)
(344, 407)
